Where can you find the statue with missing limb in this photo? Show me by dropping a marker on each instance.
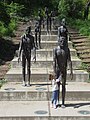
(50, 20)
(40, 18)
(47, 18)
(86, 11)
(26, 45)
(61, 56)
(37, 35)
(63, 31)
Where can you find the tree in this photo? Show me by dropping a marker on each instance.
(71, 8)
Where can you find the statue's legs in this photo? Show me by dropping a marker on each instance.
(50, 25)
(47, 25)
(36, 40)
(40, 39)
(43, 23)
(28, 70)
(63, 94)
(63, 88)
(57, 76)
(23, 69)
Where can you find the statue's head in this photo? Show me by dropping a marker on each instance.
(39, 11)
(28, 30)
(63, 22)
(62, 42)
(46, 9)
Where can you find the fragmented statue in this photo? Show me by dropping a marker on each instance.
(37, 35)
(61, 56)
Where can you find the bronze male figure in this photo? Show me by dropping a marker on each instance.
(26, 45)
(37, 35)
(47, 18)
(63, 31)
(61, 56)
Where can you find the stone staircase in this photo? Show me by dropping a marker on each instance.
(34, 102)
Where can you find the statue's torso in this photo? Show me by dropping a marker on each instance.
(27, 44)
(61, 57)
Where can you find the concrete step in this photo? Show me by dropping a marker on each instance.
(46, 42)
(52, 44)
(82, 48)
(38, 91)
(44, 32)
(81, 41)
(78, 37)
(40, 53)
(42, 75)
(41, 110)
(45, 62)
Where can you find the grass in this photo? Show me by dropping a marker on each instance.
(83, 26)
(2, 81)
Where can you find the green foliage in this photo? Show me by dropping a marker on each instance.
(9, 15)
(3, 81)
(82, 26)
(14, 9)
(4, 16)
(71, 8)
(62, 8)
(3, 30)
(7, 31)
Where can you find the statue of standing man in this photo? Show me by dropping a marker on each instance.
(47, 18)
(61, 56)
(26, 45)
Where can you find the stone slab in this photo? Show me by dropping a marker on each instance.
(37, 110)
(44, 62)
(52, 44)
(43, 91)
(42, 75)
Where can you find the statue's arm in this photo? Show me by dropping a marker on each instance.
(34, 49)
(58, 32)
(54, 60)
(20, 49)
(70, 64)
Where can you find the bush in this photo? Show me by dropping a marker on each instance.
(71, 8)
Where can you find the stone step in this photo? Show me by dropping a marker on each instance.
(42, 110)
(38, 91)
(45, 62)
(43, 53)
(87, 60)
(45, 43)
(42, 75)
(82, 48)
(40, 53)
(44, 32)
(52, 44)
(51, 37)
(83, 44)
(79, 37)
(84, 51)
(43, 37)
(80, 41)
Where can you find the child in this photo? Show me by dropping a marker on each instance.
(54, 89)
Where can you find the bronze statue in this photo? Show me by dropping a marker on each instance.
(50, 20)
(37, 35)
(47, 18)
(86, 11)
(61, 56)
(26, 45)
(63, 31)
(39, 18)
